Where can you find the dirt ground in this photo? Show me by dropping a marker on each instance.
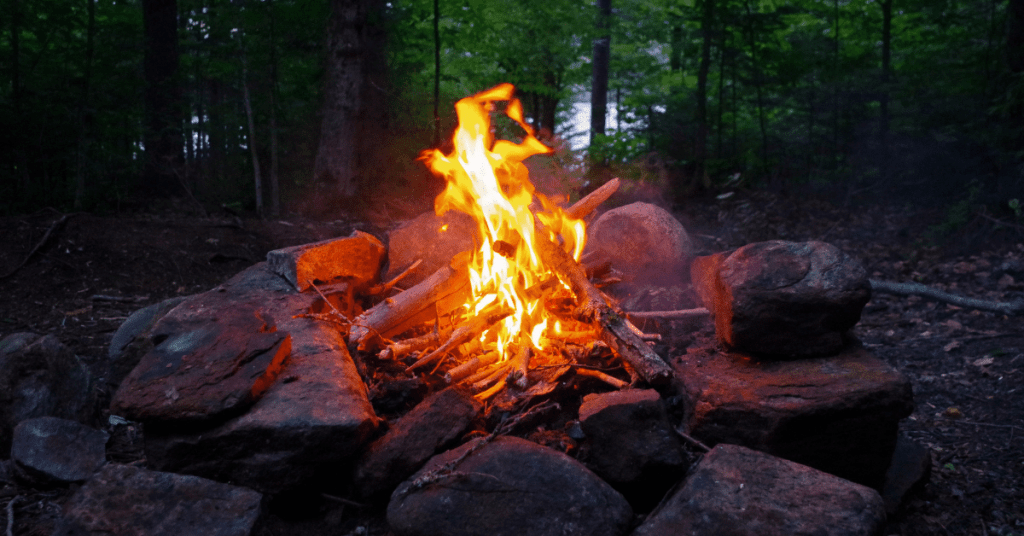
(966, 366)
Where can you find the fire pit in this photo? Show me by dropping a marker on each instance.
(467, 400)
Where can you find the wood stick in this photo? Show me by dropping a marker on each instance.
(485, 372)
(467, 330)
(520, 363)
(671, 315)
(610, 380)
(1013, 308)
(593, 308)
(46, 237)
(400, 349)
(469, 367)
(591, 201)
(498, 374)
(414, 306)
(384, 287)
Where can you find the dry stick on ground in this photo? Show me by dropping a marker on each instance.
(692, 440)
(10, 515)
(1015, 308)
(613, 328)
(610, 380)
(669, 315)
(46, 237)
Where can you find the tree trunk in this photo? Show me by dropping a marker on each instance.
(353, 107)
(275, 186)
(602, 56)
(163, 138)
(883, 104)
(700, 179)
(1015, 35)
(84, 113)
(437, 73)
(758, 83)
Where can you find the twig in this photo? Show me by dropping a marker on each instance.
(1014, 308)
(328, 302)
(692, 440)
(384, 287)
(610, 380)
(400, 349)
(342, 500)
(520, 363)
(483, 321)
(121, 299)
(671, 315)
(40, 244)
(585, 206)
(10, 515)
(465, 369)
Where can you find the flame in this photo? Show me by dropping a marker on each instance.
(487, 180)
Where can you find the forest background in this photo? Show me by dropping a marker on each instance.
(271, 106)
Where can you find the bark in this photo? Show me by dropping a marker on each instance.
(84, 112)
(700, 179)
(599, 85)
(1015, 35)
(353, 103)
(883, 105)
(164, 117)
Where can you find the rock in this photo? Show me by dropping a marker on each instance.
(50, 451)
(356, 260)
(40, 377)
(643, 241)
(433, 239)
(736, 491)
(122, 500)
(783, 298)
(839, 414)
(630, 444)
(508, 486)
(132, 339)
(910, 469)
(423, 432)
(215, 355)
(308, 428)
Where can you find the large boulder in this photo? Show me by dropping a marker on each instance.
(41, 377)
(783, 298)
(49, 451)
(431, 239)
(736, 491)
(508, 486)
(643, 241)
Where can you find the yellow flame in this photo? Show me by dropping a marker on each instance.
(487, 180)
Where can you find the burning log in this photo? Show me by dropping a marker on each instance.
(469, 329)
(520, 363)
(446, 288)
(463, 371)
(591, 201)
(400, 349)
(613, 328)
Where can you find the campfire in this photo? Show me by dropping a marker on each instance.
(520, 310)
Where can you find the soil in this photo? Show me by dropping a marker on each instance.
(966, 366)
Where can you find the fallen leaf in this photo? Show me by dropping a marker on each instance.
(952, 346)
(984, 362)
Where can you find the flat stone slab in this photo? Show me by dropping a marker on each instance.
(783, 298)
(426, 430)
(839, 414)
(737, 491)
(308, 427)
(123, 500)
(53, 451)
(356, 260)
(508, 487)
(215, 354)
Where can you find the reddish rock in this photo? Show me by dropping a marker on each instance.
(735, 491)
(631, 445)
(643, 241)
(356, 260)
(423, 432)
(839, 414)
(122, 500)
(50, 451)
(783, 298)
(308, 427)
(432, 239)
(508, 487)
(215, 355)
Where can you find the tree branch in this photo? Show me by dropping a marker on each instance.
(1014, 308)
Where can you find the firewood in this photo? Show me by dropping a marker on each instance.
(610, 380)
(485, 372)
(520, 363)
(384, 287)
(613, 329)
(462, 371)
(591, 201)
(670, 315)
(466, 331)
(402, 348)
(438, 294)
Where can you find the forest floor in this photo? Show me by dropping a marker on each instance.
(966, 366)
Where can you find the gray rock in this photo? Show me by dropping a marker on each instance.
(132, 339)
(839, 414)
(735, 491)
(423, 432)
(509, 486)
(41, 377)
(643, 241)
(783, 298)
(51, 451)
(631, 445)
(122, 500)
(356, 260)
(432, 239)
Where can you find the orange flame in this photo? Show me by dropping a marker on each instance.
(487, 180)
